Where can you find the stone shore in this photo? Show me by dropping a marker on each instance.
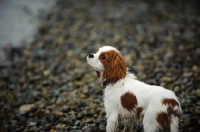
(48, 87)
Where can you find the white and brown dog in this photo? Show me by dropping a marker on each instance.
(128, 98)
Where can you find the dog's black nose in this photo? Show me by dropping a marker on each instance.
(90, 55)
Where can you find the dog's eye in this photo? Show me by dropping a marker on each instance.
(103, 57)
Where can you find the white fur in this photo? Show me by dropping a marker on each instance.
(107, 48)
(148, 97)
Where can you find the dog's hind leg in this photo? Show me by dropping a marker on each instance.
(150, 123)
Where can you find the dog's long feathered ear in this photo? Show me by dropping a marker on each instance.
(116, 69)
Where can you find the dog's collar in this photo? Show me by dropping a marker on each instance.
(104, 84)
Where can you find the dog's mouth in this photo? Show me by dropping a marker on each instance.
(98, 73)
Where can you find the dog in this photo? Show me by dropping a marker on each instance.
(127, 98)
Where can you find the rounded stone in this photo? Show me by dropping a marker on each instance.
(197, 92)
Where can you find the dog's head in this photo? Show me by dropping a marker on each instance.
(109, 62)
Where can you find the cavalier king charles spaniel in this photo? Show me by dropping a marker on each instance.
(127, 98)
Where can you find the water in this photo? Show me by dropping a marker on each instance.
(19, 19)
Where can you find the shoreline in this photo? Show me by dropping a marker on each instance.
(49, 87)
(19, 21)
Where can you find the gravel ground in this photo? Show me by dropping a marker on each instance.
(47, 86)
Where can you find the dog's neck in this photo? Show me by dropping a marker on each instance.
(104, 83)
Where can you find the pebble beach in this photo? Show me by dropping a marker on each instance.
(47, 86)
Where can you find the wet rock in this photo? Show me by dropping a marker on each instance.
(52, 130)
(186, 119)
(46, 72)
(166, 79)
(151, 82)
(198, 103)
(75, 131)
(90, 121)
(176, 88)
(84, 128)
(3, 129)
(39, 113)
(168, 55)
(22, 122)
(32, 123)
(42, 30)
(5, 64)
(197, 110)
(102, 127)
(89, 130)
(13, 128)
(27, 107)
(11, 115)
(13, 122)
(47, 127)
(197, 92)
(60, 126)
(78, 123)
(50, 118)
(33, 128)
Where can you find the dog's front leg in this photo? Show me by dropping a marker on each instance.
(128, 125)
(112, 123)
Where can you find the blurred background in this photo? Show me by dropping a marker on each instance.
(19, 20)
(45, 83)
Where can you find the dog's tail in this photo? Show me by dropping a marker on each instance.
(175, 117)
(168, 118)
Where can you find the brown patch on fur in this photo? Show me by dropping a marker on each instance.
(170, 102)
(128, 101)
(115, 66)
(163, 120)
(171, 111)
(139, 110)
(177, 113)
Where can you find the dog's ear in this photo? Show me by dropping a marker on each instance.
(98, 74)
(116, 68)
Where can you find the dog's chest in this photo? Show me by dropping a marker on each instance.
(112, 95)
(112, 98)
